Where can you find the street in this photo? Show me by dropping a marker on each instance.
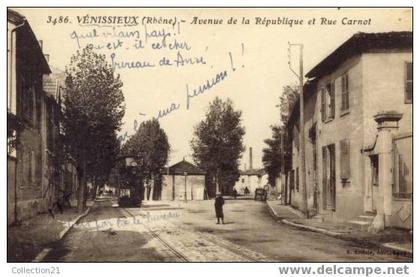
(187, 232)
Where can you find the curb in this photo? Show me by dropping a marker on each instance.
(337, 235)
(45, 251)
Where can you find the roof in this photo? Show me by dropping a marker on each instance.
(184, 166)
(53, 81)
(15, 17)
(259, 172)
(359, 43)
(28, 50)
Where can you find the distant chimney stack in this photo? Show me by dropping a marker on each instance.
(250, 157)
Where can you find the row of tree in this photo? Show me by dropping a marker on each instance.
(92, 116)
(93, 112)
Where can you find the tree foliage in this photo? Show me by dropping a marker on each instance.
(288, 98)
(272, 155)
(150, 145)
(93, 110)
(151, 148)
(218, 143)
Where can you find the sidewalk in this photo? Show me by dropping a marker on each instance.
(27, 240)
(391, 239)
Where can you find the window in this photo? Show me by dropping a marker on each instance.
(297, 178)
(403, 168)
(408, 82)
(345, 160)
(328, 101)
(345, 92)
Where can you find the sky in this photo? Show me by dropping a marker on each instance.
(164, 56)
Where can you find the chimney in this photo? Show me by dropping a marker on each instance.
(250, 157)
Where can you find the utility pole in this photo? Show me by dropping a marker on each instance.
(302, 167)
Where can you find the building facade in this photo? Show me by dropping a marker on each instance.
(358, 125)
(183, 181)
(35, 170)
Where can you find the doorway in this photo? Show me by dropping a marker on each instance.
(328, 177)
(374, 164)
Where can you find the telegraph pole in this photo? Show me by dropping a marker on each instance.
(302, 167)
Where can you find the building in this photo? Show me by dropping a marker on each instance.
(250, 179)
(358, 125)
(183, 181)
(35, 168)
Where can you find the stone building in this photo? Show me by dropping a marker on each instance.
(358, 125)
(35, 170)
(183, 181)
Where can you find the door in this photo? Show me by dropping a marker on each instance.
(328, 177)
(374, 163)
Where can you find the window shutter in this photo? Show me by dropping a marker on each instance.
(297, 178)
(324, 176)
(323, 104)
(345, 159)
(332, 97)
(332, 174)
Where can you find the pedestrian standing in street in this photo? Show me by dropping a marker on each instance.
(218, 205)
(235, 193)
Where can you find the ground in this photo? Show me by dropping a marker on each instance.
(179, 232)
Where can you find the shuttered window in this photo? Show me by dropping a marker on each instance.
(408, 82)
(345, 92)
(345, 159)
(297, 178)
(328, 101)
(331, 94)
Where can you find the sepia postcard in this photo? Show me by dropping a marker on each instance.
(245, 135)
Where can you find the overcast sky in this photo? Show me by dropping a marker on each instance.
(253, 55)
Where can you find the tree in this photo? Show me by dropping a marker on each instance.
(288, 98)
(272, 155)
(151, 148)
(218, 144)
(93, 110)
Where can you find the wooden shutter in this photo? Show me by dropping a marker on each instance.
(332, 174)
(323, 104)
(345, 159)
(344, 92)
(324, 177)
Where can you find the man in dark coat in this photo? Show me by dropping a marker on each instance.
(218, 206)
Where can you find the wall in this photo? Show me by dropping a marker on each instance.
(384, 91)
(252, 182)
(194, 184)
(349, 125)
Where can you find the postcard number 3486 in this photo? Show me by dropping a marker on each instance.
(57, 19)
